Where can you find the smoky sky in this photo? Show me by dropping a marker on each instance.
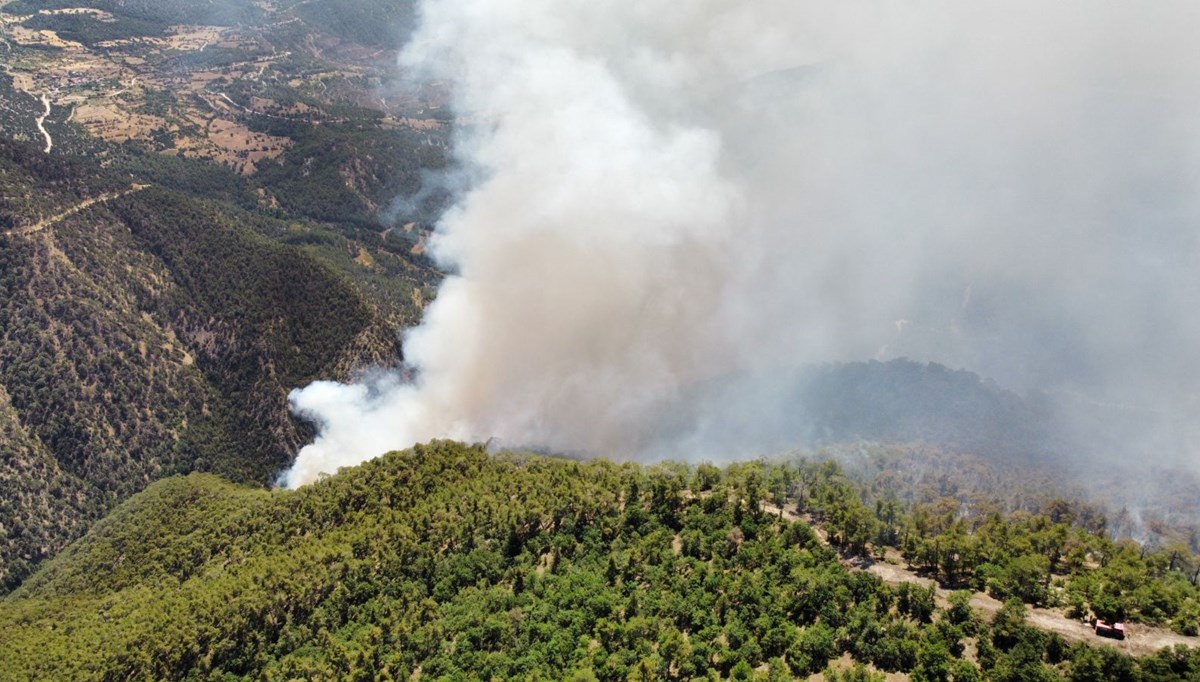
(664, 193)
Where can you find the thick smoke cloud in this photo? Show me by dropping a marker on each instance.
(667, 193)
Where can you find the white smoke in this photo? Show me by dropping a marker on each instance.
(672, 192)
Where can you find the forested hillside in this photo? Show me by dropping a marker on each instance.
(221, 12)
(198, 224)
(446, 562)
(1005, 531)
(145, 333)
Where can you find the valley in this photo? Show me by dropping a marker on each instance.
(168, 84)
(130, 350)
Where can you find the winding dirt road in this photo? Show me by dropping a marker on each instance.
(41, 120)
(1140, 640)
(47, 222)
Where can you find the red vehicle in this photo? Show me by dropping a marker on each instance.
(1106, 629)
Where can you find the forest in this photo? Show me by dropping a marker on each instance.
(1048, 550)
(446, 562)
(147, 332)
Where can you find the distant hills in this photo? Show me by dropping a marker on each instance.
(895, 401)
(149, 332)
(906, 401)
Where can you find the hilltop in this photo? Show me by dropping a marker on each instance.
(444, 561)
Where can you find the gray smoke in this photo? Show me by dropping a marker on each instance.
(668, 193)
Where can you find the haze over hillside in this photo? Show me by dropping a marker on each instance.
(655, 250)
(939, 262)
(667, 197)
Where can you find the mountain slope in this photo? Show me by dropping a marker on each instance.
(447, 562)
(40, 504)
(208, 230)
(147, 333)
(898, 401)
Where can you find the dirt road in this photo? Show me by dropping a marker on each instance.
(47, 222)
(41, 121)
(1140, 640)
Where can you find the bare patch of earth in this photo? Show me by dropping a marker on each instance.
(847, 662)
(1140, 640)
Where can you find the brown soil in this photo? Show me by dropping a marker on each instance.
(364, 258)
(108, 121)
(106, 91)
(1140, 640)
(46, 37)
(846, 662)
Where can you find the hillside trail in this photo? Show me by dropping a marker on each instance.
(1140, 640)
(57, 218)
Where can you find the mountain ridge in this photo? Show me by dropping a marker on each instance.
(445, 561)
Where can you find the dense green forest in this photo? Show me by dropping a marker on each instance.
(445, 562)
(87, 29)
(971, 526)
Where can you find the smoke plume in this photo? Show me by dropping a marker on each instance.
(665, 194)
